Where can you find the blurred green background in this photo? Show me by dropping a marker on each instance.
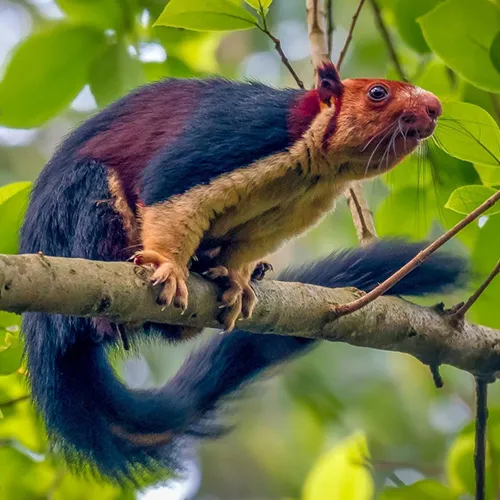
(62, 60)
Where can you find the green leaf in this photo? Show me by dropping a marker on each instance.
(257, 4)
(484, 257)
(342, 473)
(10, 190)
(13, 203)
(495, 52)
(9, 320)
(10, 358)
(114, 73)
(11, 347)
(467, 49)
(468, 132)
(206, 15)
(427, 489)
(24, 478)
(467, 198)
(437, 79)
(194, 51)
(105, 14)
(46, 72)
(406, 14)
(490, 176)
(78, 488)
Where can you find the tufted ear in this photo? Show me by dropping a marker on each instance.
(329, 84)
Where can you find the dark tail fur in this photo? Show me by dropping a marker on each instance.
(88, 412)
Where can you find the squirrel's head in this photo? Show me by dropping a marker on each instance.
(371, 124)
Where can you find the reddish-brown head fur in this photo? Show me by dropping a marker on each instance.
(381, 122)
(371, 124)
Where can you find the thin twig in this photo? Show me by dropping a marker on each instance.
(349, 308)
(460, 312)
(436, 375)
(329, 25)
(480, 445)
(279, 48)
(396, 480)
(343, 52)
(361, 215)
(388, 40)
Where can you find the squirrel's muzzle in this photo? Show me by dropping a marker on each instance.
(420, 120)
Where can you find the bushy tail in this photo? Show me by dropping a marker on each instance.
(228, 362)
(130, 435)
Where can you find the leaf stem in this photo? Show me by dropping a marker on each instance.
(284, 59)
(278, 47)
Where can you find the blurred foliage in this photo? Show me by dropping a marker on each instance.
(64, 59)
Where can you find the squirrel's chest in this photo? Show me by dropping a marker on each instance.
(283, 204)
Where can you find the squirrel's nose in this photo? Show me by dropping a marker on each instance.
(432, 106)
(421, 120)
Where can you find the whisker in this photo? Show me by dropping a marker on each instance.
(375, 149)
(377, 136)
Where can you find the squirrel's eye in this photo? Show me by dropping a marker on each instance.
(378, 93)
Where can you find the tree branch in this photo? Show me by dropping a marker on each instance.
(361, 214)
(317, 37)
(122, 293)
(480, 440)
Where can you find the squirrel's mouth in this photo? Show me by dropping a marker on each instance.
(389, 148)
(390, 151)
(420, 133)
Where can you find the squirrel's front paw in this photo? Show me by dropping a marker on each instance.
(170, 274)
(238, 300)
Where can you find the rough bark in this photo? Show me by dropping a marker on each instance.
(121, 292)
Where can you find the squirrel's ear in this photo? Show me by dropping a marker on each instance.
(329, 84)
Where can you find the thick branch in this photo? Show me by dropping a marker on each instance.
(317, 32)
(121, 292)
